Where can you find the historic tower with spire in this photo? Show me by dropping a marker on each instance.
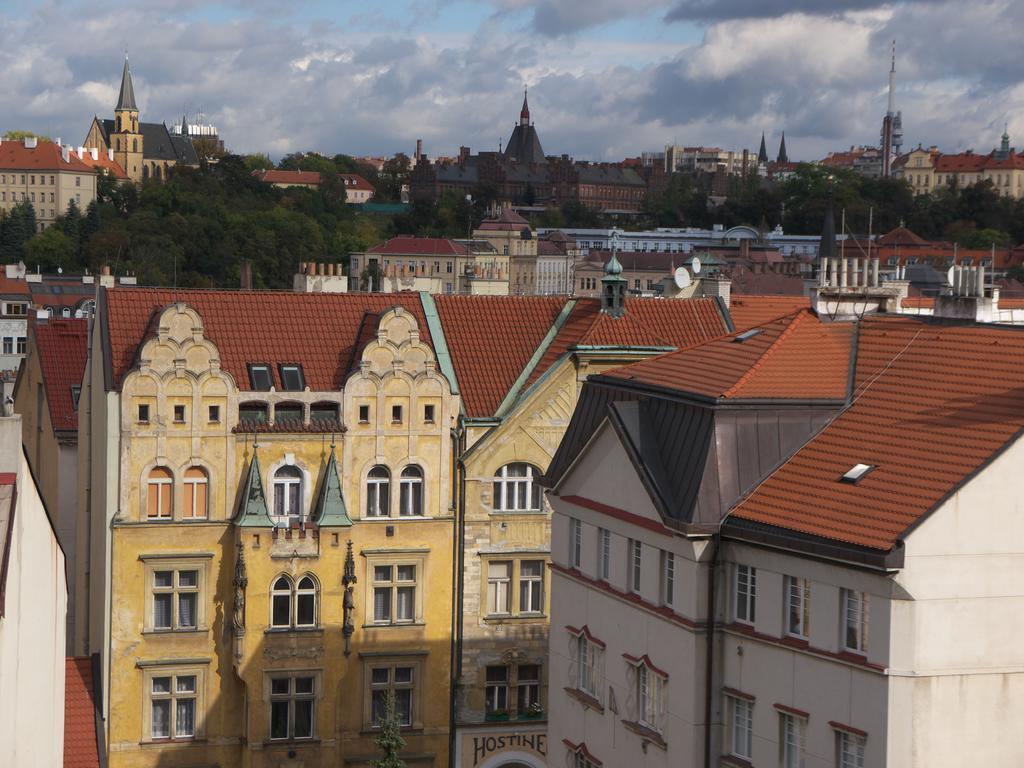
(524, 144)
(126, 137)
(783, 157)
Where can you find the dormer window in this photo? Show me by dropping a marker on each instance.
(259, 377)
(76, 393)
(292, 379)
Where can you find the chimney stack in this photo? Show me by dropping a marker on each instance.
(245, 275)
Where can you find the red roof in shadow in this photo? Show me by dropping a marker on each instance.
(752, 311)
(901, 236)
(62, 346)
(80, 748)
(932, 404)
(506, 221)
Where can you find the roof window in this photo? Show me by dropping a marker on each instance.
(746, 335)
(856, 473)
(259, 377)
(292, 379)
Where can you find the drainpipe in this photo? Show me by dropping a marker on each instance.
(710, 651)
(458, 582)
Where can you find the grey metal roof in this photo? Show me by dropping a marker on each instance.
(126, 98)
(524, 145)
(158, 143)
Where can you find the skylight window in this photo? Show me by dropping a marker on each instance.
(292, 379)
(856, 473)
(259, 377)
(740, 338)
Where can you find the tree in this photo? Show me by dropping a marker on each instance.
(19, 135)
(258, 162)
(49, 251)
(392, 177)
(371, 276)
(17, 229)
(390, 740)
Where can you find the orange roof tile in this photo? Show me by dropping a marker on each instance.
(62, 346)
(45, 156)
(752, 311)
(103, 161)
(404, 245)
(80, 747)
(770, 364)
(932, 404)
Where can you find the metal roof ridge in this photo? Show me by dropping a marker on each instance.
(444, 357)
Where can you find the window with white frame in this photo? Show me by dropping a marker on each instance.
(575, 542)
(604, 553)
(792, 740)
(411, 492)
(378, 492)
(635, 565)
(531, 586)
(175, 594)
(399, 679)
(527, 687)
(855, 620)
(649, 693)
(172, 705)
(587, 670)
(849, 750)
(798, 606)
(160, 493)
(499, 586)
(741, 727)
(292, 705)
(496, 690)
(394, 593)
(294, 604)
(287, 495)
(668, 578)
(581, 758)
(746, 593)
(196, 493)
(516, 488)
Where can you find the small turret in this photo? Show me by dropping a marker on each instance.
(762, 153)
(613, 285)
(783, 157)
(524, 113)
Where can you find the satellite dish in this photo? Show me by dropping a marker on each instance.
(950, 275)
(695, 265)
(682, 278)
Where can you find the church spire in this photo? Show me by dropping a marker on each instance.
(524, 113)
(126, 99)
(783, 157)
(762, 153)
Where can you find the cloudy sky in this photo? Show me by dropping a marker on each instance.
(607, 78)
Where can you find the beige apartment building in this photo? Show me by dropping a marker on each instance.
(929, 169)
(46, 175)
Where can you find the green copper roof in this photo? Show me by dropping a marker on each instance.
(330, 505)
(252, 507)
(444, 358)
(613, 269)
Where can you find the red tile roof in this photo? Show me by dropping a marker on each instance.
(506, 221)
(770, 364)
(752, 311)
(407, 245)
(901, 236)
(932, 404)
(80, 747)
(11, 286)
(318, 330)
(274, 176)
(45, 156)
(103, 161)
(355, 181)
(964, 162)
(62, 346)
(477, 326)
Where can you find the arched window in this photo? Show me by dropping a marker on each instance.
(378, 492)
(145, 171)
(196, 492)
(287, 495)
(305, 602)
(157, 171)
(281, 602)
(516, 489)
(135, 145)
(410, 501)
(159, 494)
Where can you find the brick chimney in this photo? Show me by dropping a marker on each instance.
(245, 275)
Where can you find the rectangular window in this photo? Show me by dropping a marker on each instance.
(855, 620)
(496, 696)
(394, 594)
(448, 267)
(76, 394)
(22, 345)
(143, 413)
(668, 578)
(575, 542)
(399, 679)
(791, 740)
(588, 663)
(527, 687)
(396, 414)
(649, 696)
(604, 553)
(175, 595)
(292, 701)
(292, 379)
(746, 593)
(179, 414)
(798, 602)
(428, 414)
(741, 727)
(252, 413)
(635, 562)
(259, 377)
(849, 750)
(172, 705)
(364, 414)
(499, 586)
(214, 413)
(531, 586)
(8, 345)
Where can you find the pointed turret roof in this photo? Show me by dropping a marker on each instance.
(762, 153)
(126, 99)
(330, 506)
(524, 113)
(252, 501)
(783, 157)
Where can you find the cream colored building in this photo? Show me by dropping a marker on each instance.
(46, 175)
(928, 169)
(810, 590)
(33, 600)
